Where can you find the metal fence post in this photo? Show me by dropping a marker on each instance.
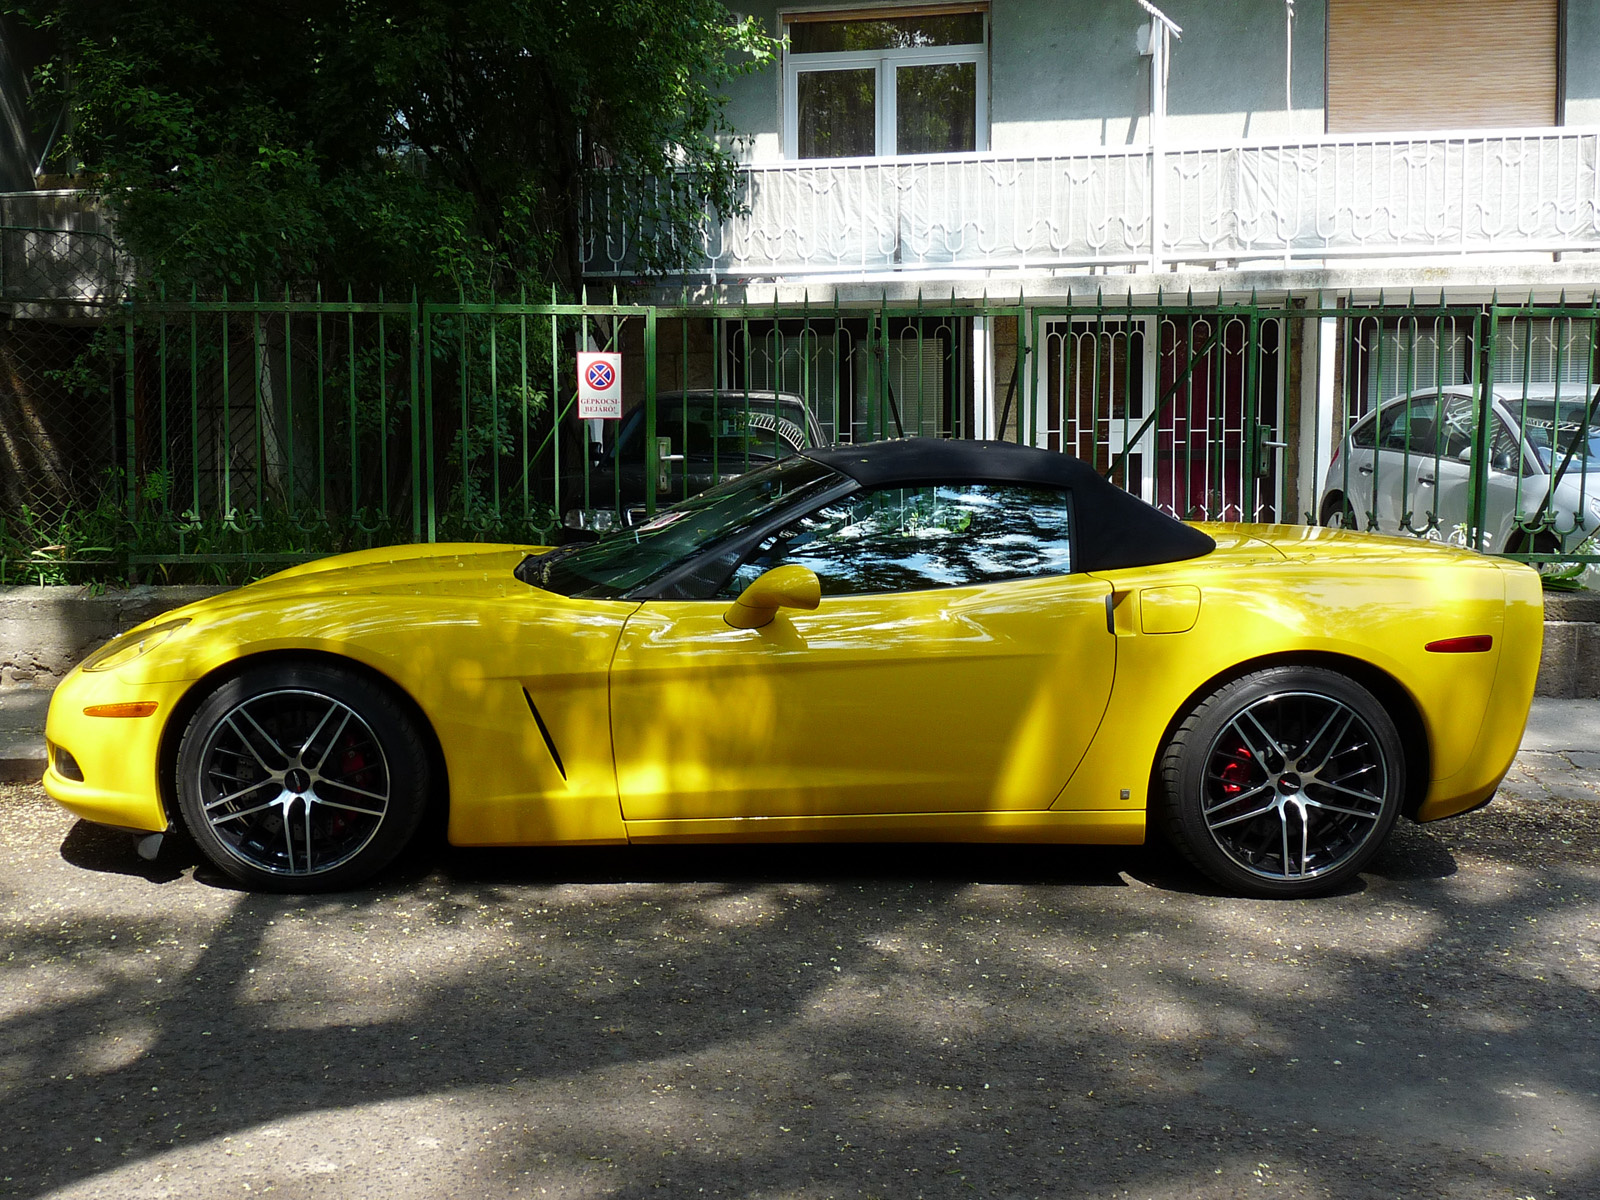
(130, 422)
(1479, 476)
(650, 448)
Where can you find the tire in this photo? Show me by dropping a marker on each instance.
(1337, 513)
(301, 778)
(1543, 542)
(1284, 783)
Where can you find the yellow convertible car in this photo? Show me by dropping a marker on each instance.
(908, 641)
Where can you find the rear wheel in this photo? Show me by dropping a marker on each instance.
(1283, 783)
(301, 778)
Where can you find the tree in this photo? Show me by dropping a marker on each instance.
(366, 143)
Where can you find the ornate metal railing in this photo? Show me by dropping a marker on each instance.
(1325, 198)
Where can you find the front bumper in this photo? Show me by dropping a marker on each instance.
(119, 757)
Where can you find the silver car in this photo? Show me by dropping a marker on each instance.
(1407, 468)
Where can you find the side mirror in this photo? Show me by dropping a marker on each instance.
(793, 586)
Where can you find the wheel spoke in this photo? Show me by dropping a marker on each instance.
(1333, 750)
(246, 743)
(332, 741)
(370, 812)
(1333, 715)
(1249, 742)
(271, 741)
(1334, 808)
(382, 798)
(254, 787)
(222, 820)
(1271, 741)
(305, 804)
(1239, 799)
(333, 706)
(1349, 792)
(1260, 812)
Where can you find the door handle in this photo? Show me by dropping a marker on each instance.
(1427, 480)
(1363, 470)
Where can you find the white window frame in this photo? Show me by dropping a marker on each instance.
(886, 63)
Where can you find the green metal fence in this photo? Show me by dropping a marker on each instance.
(233, 435)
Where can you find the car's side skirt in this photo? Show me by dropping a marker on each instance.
(1115, 827)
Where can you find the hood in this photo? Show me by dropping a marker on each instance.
(445, 567)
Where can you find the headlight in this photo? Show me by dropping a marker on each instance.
(123, 650)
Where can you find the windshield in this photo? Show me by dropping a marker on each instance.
(622, 561)
(1551, 435)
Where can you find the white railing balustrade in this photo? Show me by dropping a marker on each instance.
(1328, 198)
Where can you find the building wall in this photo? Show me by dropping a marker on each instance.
(1067, 75)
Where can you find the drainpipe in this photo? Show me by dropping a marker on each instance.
(1156, 44)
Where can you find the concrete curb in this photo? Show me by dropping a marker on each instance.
(22, 749)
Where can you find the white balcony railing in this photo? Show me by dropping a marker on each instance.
(1391, 194)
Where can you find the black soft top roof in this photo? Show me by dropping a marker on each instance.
(1114, 528)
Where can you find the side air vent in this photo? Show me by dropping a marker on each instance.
(549, 742)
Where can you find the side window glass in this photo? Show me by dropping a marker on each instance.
(916, 538)
(1504, 453)
(1365, 435)
(1459, 417)
(1410, 426)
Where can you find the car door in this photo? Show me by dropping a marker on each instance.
(1452, 483)
(955, 664)
(1407, 438)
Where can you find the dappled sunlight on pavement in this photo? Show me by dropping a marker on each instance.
(809, 1021)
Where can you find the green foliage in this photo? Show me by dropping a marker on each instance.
(450, 144)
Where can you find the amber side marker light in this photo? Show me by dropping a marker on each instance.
(133, 708)
(1475, 644)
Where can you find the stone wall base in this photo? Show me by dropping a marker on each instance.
(44, 631)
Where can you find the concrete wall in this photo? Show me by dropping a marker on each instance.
(45, 631)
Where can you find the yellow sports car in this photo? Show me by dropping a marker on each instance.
(913, 640)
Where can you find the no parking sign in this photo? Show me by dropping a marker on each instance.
(599, 385)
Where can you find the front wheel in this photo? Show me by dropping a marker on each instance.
(1283, 783)
(298, 778)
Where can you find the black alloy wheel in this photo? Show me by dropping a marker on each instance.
(1283, 783)
(298, 778)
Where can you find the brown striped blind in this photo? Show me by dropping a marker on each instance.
(1422, 64)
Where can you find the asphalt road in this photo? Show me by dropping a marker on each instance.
(806, 1022)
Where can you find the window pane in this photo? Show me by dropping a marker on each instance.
(914, 539)
(898, 33)
(936, 108)
(837, 113)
